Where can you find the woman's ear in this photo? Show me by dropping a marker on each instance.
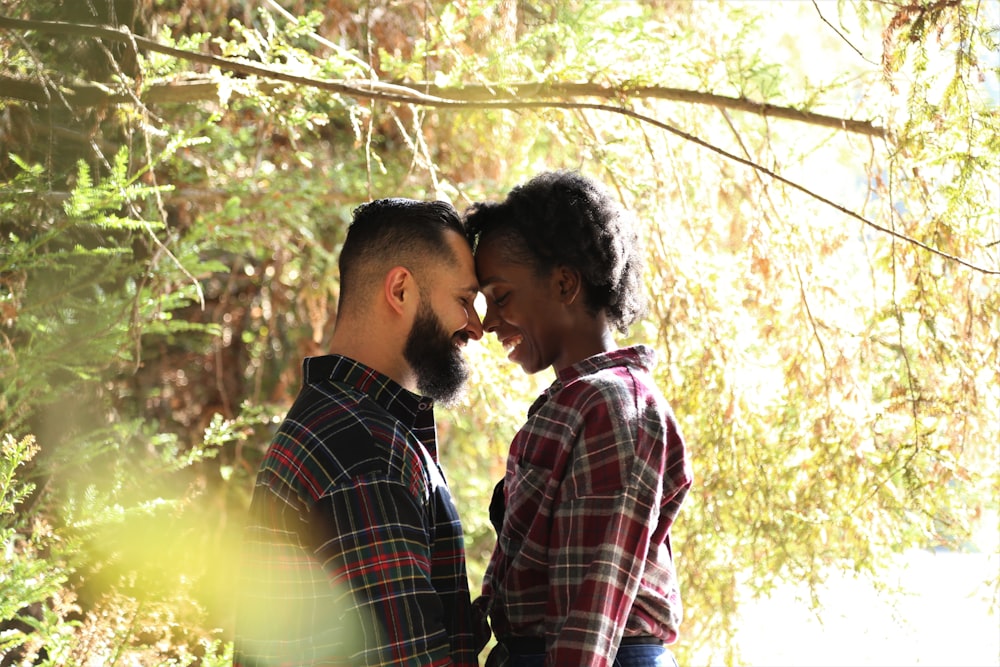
(398, 288)
(569, 283)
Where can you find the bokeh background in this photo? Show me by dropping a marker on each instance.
(817, 186)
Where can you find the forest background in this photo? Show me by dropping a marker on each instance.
(817, 184)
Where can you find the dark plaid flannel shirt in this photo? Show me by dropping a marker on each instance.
(353, 553)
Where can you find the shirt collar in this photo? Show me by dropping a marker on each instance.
(641, 357)
(414, 411)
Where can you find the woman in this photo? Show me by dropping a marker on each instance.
(582, 573)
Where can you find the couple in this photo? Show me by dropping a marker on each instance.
(354, 553)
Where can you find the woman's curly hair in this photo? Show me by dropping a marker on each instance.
(562, 218)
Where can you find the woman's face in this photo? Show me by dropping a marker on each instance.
(523, 309)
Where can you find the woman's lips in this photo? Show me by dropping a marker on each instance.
(511, 344)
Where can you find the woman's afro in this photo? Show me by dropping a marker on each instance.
(562, 218)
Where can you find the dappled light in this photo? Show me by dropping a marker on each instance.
(817, 189)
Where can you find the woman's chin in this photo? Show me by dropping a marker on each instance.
(528, 367)
(515, 358)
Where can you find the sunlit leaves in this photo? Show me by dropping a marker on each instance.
(837, 385)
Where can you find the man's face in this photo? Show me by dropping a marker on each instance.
(445, 321)
(435, 356)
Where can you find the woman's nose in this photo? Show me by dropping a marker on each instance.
(490, 321)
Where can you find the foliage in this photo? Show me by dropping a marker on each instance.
(29, 579)
(169, 255)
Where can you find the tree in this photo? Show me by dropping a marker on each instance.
(822, 231)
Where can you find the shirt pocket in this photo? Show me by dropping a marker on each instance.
(527, 497)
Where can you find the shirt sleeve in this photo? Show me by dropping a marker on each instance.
(352, 576)
(610, 503)
(380, 553)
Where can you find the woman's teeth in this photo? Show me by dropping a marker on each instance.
(511, 343)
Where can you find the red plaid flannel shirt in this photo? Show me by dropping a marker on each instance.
(594, 481)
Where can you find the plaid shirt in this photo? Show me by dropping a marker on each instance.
(594, 480)
(353, 553)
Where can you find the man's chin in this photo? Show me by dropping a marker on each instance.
(452, 399)
(446, 391)
(444, 396)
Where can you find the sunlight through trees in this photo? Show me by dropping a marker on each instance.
(818, 186)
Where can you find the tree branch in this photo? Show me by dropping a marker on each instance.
(407, 95)
(431, 95)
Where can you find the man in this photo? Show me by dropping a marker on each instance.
(354, 551)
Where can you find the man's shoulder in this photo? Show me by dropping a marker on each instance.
(339, 435)
(329, 435)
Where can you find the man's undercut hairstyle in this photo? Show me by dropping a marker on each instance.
(562, 218)
(394, 232)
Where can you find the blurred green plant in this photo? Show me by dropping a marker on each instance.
(100, 508)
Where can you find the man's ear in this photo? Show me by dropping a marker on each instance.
(398, 288)
(569, 284)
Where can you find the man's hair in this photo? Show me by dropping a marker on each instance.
(393, 232)
(561, 218)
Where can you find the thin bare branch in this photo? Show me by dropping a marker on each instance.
(841, 35)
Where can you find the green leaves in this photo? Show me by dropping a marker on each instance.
(90, 203)
(14, 453)
(33, 570)
(167, 256)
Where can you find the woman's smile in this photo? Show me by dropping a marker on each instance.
(511, 345)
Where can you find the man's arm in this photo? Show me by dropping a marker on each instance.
(372, 540)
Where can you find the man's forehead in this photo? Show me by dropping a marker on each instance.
(457, 278)
(472, 289)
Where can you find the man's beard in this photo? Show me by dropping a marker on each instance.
(435, 359)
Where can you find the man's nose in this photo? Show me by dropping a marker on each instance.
(474, 327)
